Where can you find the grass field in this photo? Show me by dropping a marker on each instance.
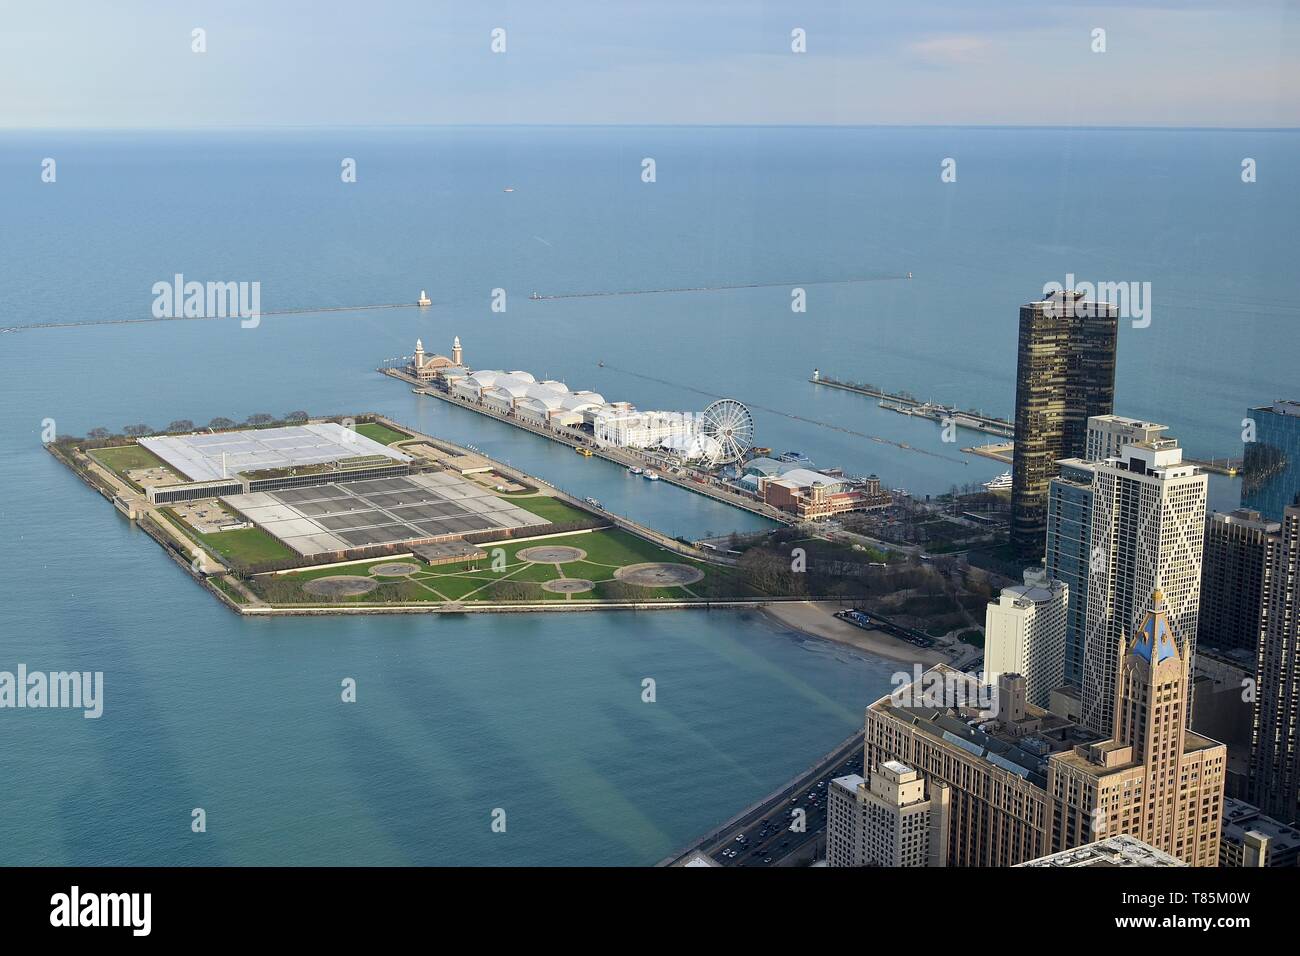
(381, 433)
(503, 576)
(242, 546)
(123, 458)
(552, 509)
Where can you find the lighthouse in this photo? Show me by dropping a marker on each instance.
(456, 352)
(419, 354)
(423, 300)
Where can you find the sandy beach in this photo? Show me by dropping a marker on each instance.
(817, 619)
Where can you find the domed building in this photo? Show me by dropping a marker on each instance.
(427, 367)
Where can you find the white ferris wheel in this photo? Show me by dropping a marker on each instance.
(731, 427)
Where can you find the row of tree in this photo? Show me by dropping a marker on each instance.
(183, 425)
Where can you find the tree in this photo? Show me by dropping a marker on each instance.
(135, 431)
(97, 434)
(181, 425)
(260, 418)
(298, 416)
(221, 423)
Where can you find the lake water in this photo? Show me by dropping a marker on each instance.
(542, 716)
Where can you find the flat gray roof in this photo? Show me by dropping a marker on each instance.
(358, 514)
(199, 456)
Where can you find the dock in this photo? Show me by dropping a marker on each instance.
(910, 405)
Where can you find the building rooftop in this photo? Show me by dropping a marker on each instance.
(1022, 749)
(199, 457)
(1113, 851)
(1240, 818)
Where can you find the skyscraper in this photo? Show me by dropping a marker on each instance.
(1147, 534)
(1069, 518)
(1232, 580)
(1065, 373)
(1274, 784)
(1153, 779)
(1108, 434)
(890, 820)
(1024, 633)
(1270, 474)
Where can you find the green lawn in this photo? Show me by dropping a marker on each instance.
(123, 458)
(381, 433)
(241, 547)
(552, 509)
(607, 551)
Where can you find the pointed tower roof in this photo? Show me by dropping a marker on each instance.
(1154, 641)
(419, 346)
(455, 343)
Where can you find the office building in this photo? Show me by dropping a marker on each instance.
(1147, 531)
(1065, 374)
(1274, 784)
(1024, 633)
(890, 820)
(1154, 778)
(1109, 434)
(1250, 838)
(1270, 474)
(1232, 580)
(994, 765)
(1024, 782)
(1069, 514)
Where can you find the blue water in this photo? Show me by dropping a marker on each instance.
(542, 716)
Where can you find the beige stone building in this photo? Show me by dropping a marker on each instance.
(1154, 778)
(893, 819)
(1025, 782)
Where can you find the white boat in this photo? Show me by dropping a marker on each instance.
(652, 476)
(635, 470)
(1001, 483)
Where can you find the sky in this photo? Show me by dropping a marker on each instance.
(131, 63)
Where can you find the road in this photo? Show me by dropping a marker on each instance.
(762, 835)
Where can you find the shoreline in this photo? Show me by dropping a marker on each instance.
(817, 619)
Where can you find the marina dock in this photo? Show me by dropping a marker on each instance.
(909, 405)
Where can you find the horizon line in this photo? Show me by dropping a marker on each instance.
(424, 126)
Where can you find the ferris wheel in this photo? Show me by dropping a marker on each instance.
(731, 427)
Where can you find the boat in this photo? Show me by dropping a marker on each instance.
(594, 503)
(635, 470)
(584, 452)
(1001, 483)
(652, 476)
(510, 189)
(534, 295)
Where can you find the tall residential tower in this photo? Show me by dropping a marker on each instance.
(1275, 755)
(1065, 374)
(1147, 532)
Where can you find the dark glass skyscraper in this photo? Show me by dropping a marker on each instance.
(1065, 373)
(1275, 755)
(1270, 477)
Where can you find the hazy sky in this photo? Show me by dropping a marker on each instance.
(80, 63)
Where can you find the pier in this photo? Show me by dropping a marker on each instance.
(909, 405)
(205, 318)
(618, 456)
